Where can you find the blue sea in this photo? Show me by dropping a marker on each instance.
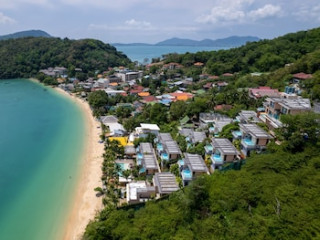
(142, 53)
(41, 133)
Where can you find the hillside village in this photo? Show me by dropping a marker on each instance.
(146, 157)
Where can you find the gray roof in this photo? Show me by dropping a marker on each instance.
(213, 117)
(296, 104)
(129, 149)
(149, 161)
(146, 148)
(198, 136)
(163, 137)
(248, 116)
(185, 132)
(108, 119)
(195, 162)
(218, 126)
(171, 147)
(166, 182)
(224, 146)
(255, 131)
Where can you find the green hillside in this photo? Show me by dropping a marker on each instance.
(261, 56)
(24, 57)
(274, 196)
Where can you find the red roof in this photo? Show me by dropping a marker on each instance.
(302, 76)
(207, 85)
(263, 92)
(124, 94)
(149, 99)
(135, 91)
(223, 107)
(227, 75)
(214, 77)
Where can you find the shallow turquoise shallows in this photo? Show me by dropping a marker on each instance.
(41, 139)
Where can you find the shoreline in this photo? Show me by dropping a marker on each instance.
(84, 203)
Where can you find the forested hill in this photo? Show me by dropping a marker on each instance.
(24, 57)
(23, 34)
(275, 196)
(261, 56)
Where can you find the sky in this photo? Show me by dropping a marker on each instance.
(151, 21)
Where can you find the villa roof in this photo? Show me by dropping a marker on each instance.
(185, 132)
(149, 161)
(171, 147)
(129, 149)
(248, 116)
(255, 131)
(224, 146)
(195, 163)
(163, 137)
(146, 148)
(166, 182)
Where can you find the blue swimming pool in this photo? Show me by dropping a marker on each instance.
(186, 174)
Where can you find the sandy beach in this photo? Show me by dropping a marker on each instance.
(85, 204)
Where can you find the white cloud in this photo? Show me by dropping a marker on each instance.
(268, 10)
(5, 19)
(237, 12)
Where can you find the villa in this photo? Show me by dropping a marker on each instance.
(138, 192)
(193, 137)
(191, 167)
(146, 129)
(146, 158)
(165, 183)
(221, 151)
(167, 148)
(253, 138)
(212, 118)
(248, 117)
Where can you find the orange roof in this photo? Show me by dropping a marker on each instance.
(181, 96)
(144, 94)
(113, 84)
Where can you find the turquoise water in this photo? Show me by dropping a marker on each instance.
(187, 174)
(41, 133)
(141, 53)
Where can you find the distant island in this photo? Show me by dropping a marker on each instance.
(23, 34)
(233, 41)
